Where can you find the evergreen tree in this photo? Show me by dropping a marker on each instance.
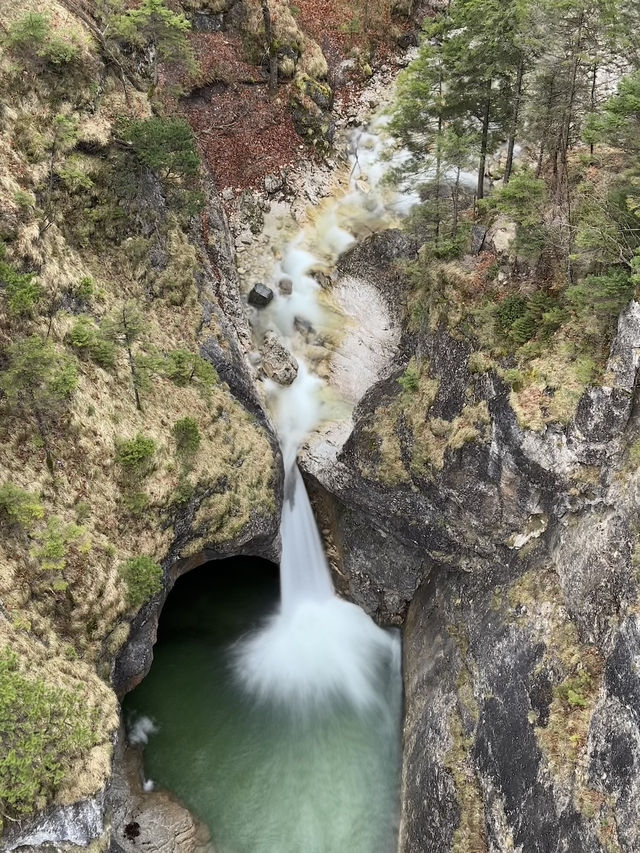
(152, 24)
(38, 383)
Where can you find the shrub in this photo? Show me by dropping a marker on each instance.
(603, 294)
(479, 363)
(22, 289)
(88, 340)
(523, 329)
(510, 310)
(32, 35)
(164, 145)
(38, 377)
(183, 367)
(84, 289)
(143, 577)
(43, 727)
(187, 436)
(514, 378)
(56, 543)
(19, 507)
(135, 456)
(410, 379)
(136, 502)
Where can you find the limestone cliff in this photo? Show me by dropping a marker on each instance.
(510, 555)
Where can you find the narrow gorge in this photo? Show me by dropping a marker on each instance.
(382, 257)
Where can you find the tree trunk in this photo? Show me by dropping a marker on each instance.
(271, 47)
(438, 163)
(514, 123)
(547, 127)
(132, 364)
(484, 143)
(568, 117)
(594, 80)
(456, 200)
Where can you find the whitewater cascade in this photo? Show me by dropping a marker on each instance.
(319, 648)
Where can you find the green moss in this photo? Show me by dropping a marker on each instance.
(470, 835)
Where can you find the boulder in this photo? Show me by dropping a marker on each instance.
(285, 285)
(478, 239)
(273, 183)
(277, 362)
(260, 295)
(502, 235)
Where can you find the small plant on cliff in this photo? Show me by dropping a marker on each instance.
(165, 145)
(187, 437)
(38, 384)
(125, 328)
(19, 507)
(152, 24)
(183, 367)
(33, 38)
(410, 379)
(135, 456)
(22, 289)
(57, 542)
(143, 577)
(43, 727)
(86, 339)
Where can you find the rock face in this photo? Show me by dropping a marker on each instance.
(151, 820)
(513, 561)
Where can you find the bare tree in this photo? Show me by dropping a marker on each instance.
(272, 47)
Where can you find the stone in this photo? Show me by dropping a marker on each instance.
(478, 237)
(277, 362)
(285, 285)
(260, 295)
(273, 183)
(228, 194)
(502, 235)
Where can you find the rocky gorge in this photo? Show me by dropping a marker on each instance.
(504, 546)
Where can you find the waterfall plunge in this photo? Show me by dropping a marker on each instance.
(318, 649)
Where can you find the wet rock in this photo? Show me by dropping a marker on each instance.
(260, 295)
(277, 362)
(79, 824)
(285, 285)
(155, 821)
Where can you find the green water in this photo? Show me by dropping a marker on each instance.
(264, 780)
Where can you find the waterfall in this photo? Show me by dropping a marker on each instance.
(318, 649)
(304, 573)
